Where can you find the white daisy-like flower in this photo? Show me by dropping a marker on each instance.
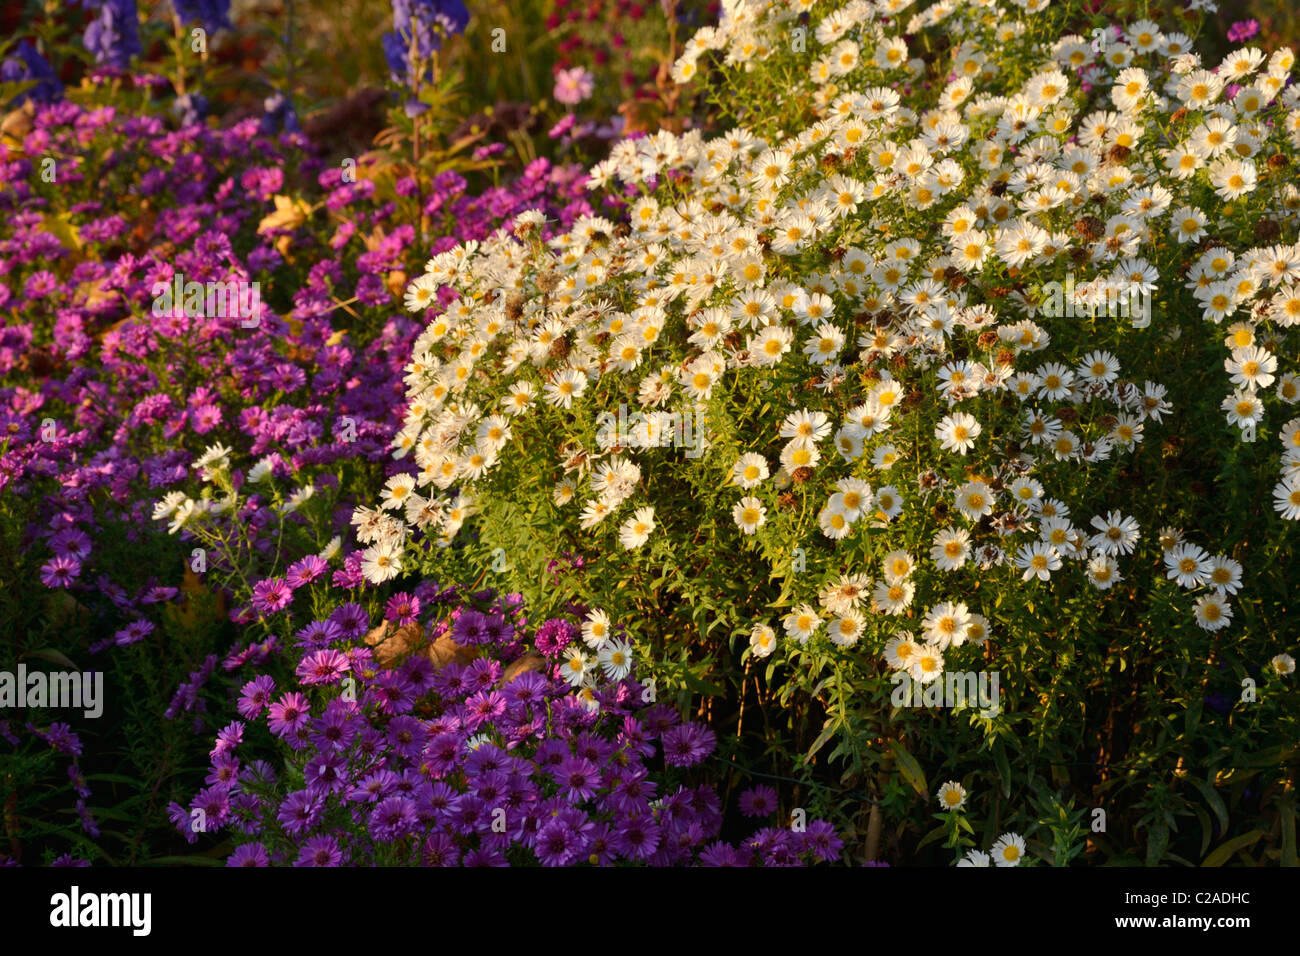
(596, 629)
(762, 641)
(615, 659)
(381, 562)
(951, 795)
(802, 623)
(1213, 612)
(1008, 849)
(945, 625)
(636, 530)
(749, 514)
(957, 432)
(1187, 564)
(1038, 559)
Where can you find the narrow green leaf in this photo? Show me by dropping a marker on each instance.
(910, 769)
(1224, 851)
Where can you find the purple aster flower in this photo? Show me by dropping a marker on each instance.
(320, 850)
(720, 854)
(60, 572)
(406, 734)
(490, 856)
(228, 738)
(392, 693)
(225, 770)
(319, 634)
(821, 839)
(688, 744)
(288, 715)
(325, 774)
(392, 819)
(255, 695)
(271, 595)
(419, 672)
(636, 837)
(440, 850)
(214, 802)
(322, 667)
(527, 688)
(442, 754)
(758, 802)
(470, 629)
(304, 571)
(557, 843)
(250, 854)
(300, 812)
(484, 707)
(402, 609)
(335, 729)
(482, 674)
(352, 619)
(578, 778)
(554, 636)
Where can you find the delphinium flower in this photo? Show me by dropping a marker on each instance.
(422, 24)
(212, 15)
(113, 36)
(25, 63)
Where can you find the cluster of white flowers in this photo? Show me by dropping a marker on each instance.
(753, 254)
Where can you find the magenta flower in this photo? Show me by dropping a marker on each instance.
(271, 595)
(322, 667)
(1242, 30)
(289, 714)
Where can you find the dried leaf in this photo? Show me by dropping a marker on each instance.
(289, 213)
(531, 661)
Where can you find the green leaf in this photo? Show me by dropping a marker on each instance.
(1206, 829)
(935, 834)
(827, 732)
(1157, 843)
(1215, 801)
(702, 686)
(1004, 767)
(1286, 811)
(1224, 851)
(910, 769)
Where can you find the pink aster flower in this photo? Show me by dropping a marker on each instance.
(573, 86)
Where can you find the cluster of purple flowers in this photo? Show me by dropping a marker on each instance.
(105, 405)
(114, 403)
(488, 760)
